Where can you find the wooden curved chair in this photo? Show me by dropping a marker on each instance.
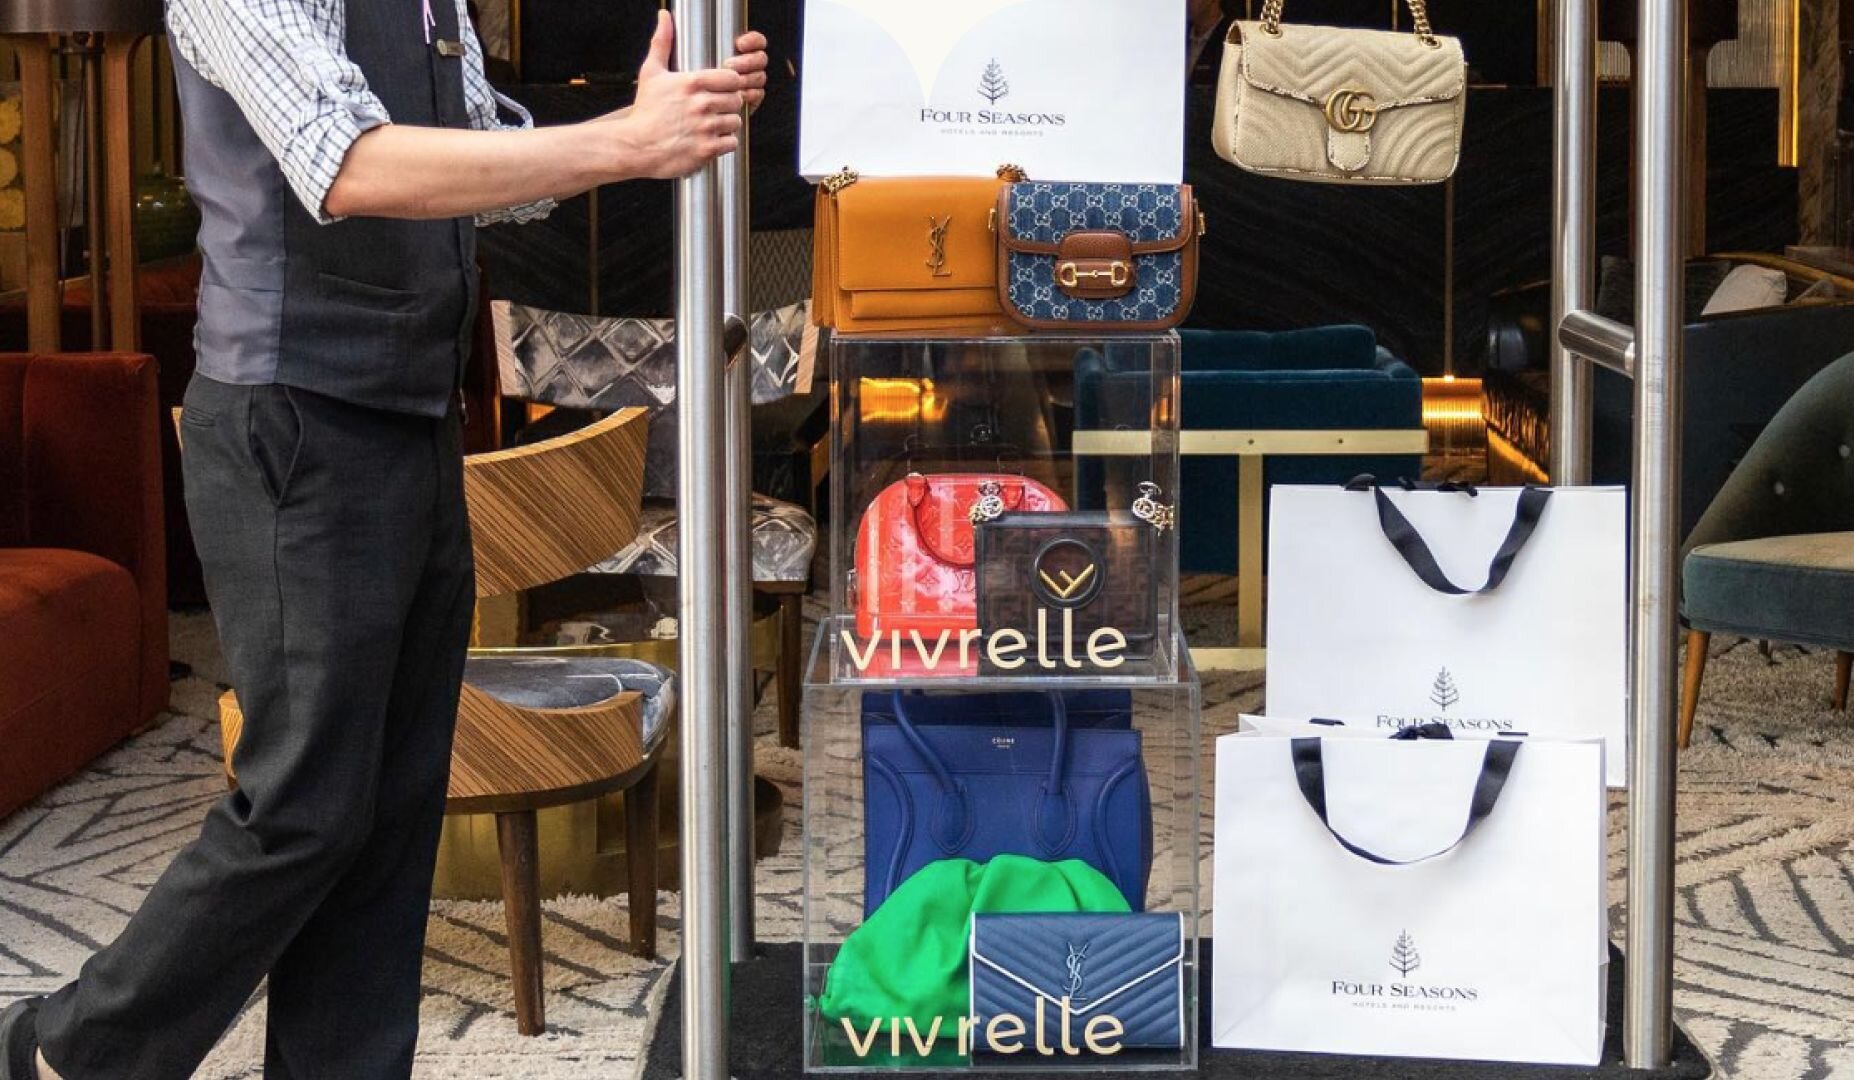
(533, 739)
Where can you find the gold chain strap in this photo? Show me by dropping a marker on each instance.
(1419, 18)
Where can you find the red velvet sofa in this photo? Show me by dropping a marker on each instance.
(83, 576)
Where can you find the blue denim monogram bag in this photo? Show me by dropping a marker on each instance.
(1097, 256)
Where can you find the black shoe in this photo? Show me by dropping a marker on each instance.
(19, 1040)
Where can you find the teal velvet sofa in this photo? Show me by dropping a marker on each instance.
(1322, 379)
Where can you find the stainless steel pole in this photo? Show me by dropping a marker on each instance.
(701, 415)
(1660, 129)
(730, 23)
(1573, 220)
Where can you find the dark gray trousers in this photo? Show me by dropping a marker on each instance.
(337, 558)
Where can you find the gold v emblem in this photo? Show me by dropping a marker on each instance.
(936, 239)
(1071, 583)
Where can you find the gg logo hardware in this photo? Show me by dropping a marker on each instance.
(1067, 572)
(936, 238)
(1069, 275)
(1351, 110)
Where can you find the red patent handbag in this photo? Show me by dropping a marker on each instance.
(915, 550)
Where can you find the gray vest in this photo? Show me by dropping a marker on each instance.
(373, 311)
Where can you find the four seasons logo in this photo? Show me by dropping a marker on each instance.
(1443, 693)
(992, 86)
(1404, 957)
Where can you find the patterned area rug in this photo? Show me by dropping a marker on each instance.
(1764, 979)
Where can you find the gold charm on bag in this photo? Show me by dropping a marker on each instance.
(990, 502)
(1149, 509)
(837, 181)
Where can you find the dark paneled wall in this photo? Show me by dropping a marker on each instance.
(1280, 254)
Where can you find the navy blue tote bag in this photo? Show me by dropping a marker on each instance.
(1049, 791)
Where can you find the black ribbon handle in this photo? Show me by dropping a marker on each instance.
(1496, 765)
(1415, 551)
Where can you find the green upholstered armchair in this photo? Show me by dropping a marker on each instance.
(1773, 556)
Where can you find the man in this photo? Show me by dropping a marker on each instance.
(339, 151)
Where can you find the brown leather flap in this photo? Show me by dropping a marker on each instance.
(1188, 226)
(903, 234)
(1095, 265)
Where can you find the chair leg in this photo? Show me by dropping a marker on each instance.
(1697, 643)
(640, 853)
(789, 675)
(518, 839)
(1844, 666)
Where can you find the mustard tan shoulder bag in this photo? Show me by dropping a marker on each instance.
(1341, 106)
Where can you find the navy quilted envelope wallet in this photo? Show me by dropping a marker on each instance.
(1128, 966)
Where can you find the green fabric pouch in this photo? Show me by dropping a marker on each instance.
(909, 959)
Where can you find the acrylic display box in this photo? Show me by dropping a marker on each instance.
(925, 428)
(1000, 714)
(1151, 722)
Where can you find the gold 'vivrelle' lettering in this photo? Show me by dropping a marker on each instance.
(1005, 1033)
(1005, 648)
(923, 1048)
(864, 1045)
(1005, 1026)
(1110, 1029)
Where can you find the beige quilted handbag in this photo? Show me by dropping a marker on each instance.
(1341, 106)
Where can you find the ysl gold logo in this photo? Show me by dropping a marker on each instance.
(936, 237)
(1352, 111)
(1070, 585)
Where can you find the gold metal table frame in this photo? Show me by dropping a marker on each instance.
(1252, 449)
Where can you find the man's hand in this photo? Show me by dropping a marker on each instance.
(682, 120)
(749, 60)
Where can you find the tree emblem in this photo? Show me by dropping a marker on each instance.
(1443, 693)
(1404, 957)
(992, 86)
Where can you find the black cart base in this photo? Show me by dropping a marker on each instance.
(766, 1035)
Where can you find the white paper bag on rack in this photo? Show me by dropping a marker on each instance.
(1074, 90)
(1356, 633)
(1404, 924)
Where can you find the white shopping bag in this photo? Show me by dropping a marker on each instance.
(1409, 928)
(1071, 90)
(1356, 634)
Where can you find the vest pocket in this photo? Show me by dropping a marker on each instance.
(364, 294)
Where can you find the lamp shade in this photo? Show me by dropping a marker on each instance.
(80, 17)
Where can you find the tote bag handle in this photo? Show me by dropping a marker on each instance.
(954, 824)
(1415, 550)
(1496, 765)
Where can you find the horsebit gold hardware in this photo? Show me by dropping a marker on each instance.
(1069, 275)
(1351, 110)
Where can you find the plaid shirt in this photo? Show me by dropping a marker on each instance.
(285, 63)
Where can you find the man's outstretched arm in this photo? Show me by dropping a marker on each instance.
(284, 63)
(679, 123)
